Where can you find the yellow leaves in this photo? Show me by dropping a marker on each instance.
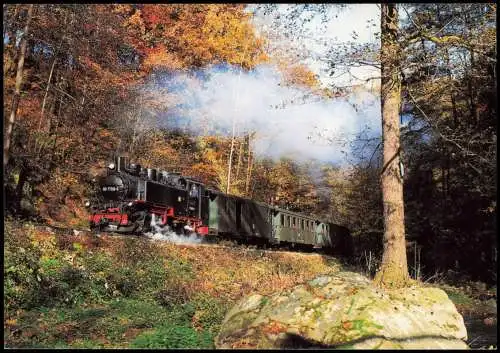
(122, 9)
(135, 21)
(10, 322)
(300, 75)
(124, 321)
(104, 133)
(444, 39)
(198, 35)
(45, 242)
(230, 34)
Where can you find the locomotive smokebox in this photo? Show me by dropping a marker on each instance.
(152, 174)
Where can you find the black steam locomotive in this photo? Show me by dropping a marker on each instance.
(132, 199)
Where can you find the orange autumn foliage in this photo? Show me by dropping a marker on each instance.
(196, 35)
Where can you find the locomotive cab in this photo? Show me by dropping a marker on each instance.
(195, 191)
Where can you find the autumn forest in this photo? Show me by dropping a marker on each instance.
(78, 104)
(84, 83)
(230, 95)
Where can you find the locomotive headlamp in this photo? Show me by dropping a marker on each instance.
(130, 203)
(111, 166)
(87, 203)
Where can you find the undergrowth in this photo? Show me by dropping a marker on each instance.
(67, 291)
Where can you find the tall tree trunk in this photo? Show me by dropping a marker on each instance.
(230, 161)
(249, 169)
(240, 158)
(451, 89)
(17, 93)
(47, 92)
(23, 178)
(394, 269)
(471, 91)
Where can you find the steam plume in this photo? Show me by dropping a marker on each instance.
(288, 121)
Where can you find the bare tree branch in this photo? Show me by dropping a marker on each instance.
(429, 120)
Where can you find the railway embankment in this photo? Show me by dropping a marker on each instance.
(73, 289)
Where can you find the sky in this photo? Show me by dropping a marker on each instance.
(288, 121)
(363, 19)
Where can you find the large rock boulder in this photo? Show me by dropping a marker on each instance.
(344, 310)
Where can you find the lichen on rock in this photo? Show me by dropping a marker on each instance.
(344, 310)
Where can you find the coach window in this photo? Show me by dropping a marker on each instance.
(282, 220)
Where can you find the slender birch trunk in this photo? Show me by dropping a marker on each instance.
(249, 169)
(230, 161)
(240, 158)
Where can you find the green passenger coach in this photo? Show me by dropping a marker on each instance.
(241, 218)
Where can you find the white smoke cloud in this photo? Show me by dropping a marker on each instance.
(165, 234)
(288, 121)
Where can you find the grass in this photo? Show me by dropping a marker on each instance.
(458, 297)
(67, 291)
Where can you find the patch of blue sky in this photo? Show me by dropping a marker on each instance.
(44, 49)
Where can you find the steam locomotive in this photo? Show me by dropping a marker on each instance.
(131, 200)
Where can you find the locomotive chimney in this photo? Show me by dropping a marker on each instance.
(121, 163)
(152, 174)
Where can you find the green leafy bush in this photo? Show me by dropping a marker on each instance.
(210, 311)
(21, 265)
